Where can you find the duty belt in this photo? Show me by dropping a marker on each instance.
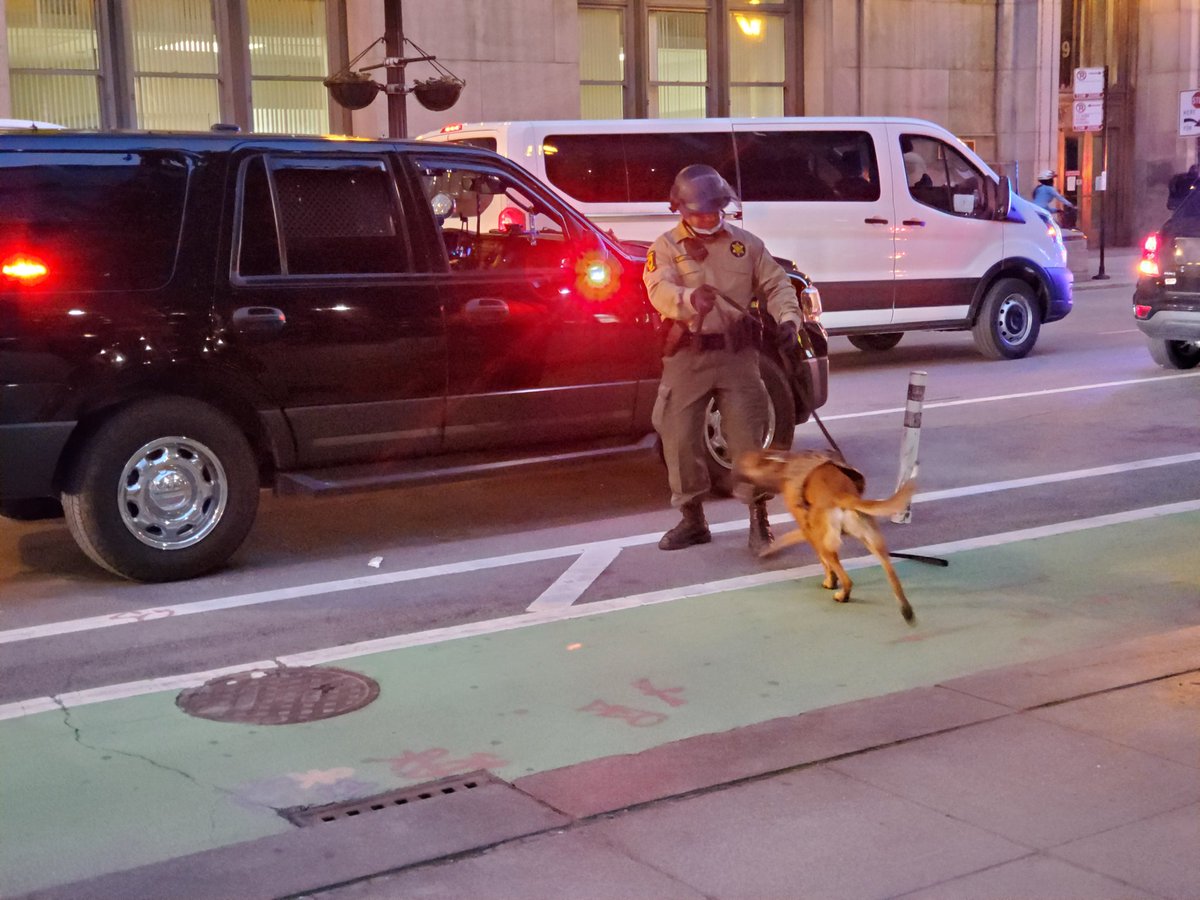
(704, 341)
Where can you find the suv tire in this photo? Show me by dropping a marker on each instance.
(1175, 354)
(1009, 320)
(164, 489)
(781, 427)
(875, 343)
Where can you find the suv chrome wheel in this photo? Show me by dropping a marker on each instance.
(173, 493)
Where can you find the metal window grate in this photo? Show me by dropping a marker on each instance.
(304, 816)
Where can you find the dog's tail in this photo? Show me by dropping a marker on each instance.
(893, 504)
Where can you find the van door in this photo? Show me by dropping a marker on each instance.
(323, 306)
(947, 239)
(545, 340)
(821, 196)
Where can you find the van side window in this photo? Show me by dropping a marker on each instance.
(491, 221)
(808, 165)
(941, 177)
(623, 168)
(320, 216)
(99, 221)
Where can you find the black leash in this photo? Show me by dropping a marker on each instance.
(802, 385)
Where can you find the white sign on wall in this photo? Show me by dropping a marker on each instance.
(1089, 83)
(1189, 113)
(1087, 115)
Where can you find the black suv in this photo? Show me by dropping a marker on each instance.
(1166, 302)
(185, 318)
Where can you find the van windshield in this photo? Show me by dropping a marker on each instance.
(96, 221)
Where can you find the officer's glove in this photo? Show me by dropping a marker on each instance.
(788, 336)
(704, 298)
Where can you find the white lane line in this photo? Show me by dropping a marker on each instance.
(22, 708)
(936, 404)
(571, 584)
(1096, 472)
(54, 629)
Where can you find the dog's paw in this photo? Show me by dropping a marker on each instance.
(842, 596)
(829, 583)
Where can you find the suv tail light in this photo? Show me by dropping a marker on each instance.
(1149, 266)
(24, 269)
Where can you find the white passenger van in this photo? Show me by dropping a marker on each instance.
(899, 223)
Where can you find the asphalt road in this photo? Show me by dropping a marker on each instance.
(322, 573)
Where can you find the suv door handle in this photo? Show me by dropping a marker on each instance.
(914, 222)
(876, 220)
(259, 321)
(485, 310)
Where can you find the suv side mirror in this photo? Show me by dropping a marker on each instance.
(1003, 198)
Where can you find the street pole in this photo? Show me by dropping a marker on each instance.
(1101, 276)
(393, 41)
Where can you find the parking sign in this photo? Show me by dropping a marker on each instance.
(1189, 113)
(1087, 115)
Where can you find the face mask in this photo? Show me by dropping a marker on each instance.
(709, 232)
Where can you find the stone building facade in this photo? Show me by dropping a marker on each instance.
(995, 72)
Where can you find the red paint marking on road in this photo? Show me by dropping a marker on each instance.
(666, 695)
(638, 718)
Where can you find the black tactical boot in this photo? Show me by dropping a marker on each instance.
(692, 529)
(760, 529)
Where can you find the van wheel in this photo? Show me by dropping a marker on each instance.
(166, 489)
(875, 342)
(1009, 320)
(1175, 354)
(781, 427)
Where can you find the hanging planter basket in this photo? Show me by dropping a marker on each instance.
(438, 93)
(353, 90)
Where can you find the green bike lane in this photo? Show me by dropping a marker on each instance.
(112, 785)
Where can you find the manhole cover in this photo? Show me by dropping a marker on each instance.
(279, 696)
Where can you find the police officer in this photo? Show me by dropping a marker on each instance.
(702, 275)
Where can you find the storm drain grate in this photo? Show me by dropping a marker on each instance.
(286, 696)
(430, 790)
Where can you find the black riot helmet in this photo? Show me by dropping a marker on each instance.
(700, 189)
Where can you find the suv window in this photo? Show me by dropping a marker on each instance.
(319, 216)
(808, 165)
(97, 221)
(490, 221)
(622, 168)
(941, 177)
(1190, 208)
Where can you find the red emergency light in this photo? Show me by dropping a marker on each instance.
(450, 129)
(24, 269)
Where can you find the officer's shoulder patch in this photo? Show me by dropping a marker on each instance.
(737, 248)
(651, 262)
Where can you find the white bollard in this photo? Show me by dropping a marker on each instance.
(912, 438)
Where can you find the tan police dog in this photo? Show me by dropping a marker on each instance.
(825, 497)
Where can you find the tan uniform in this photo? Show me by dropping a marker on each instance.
(738, 266)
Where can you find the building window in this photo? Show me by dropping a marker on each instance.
(689, 58)
(601, 63)
(756, 64)
(678, 56)
(53, 57)
(175, 64)
(289, 56)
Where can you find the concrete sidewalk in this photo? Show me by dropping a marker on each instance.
(1075, 776)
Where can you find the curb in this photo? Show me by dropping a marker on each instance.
(332, 855)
